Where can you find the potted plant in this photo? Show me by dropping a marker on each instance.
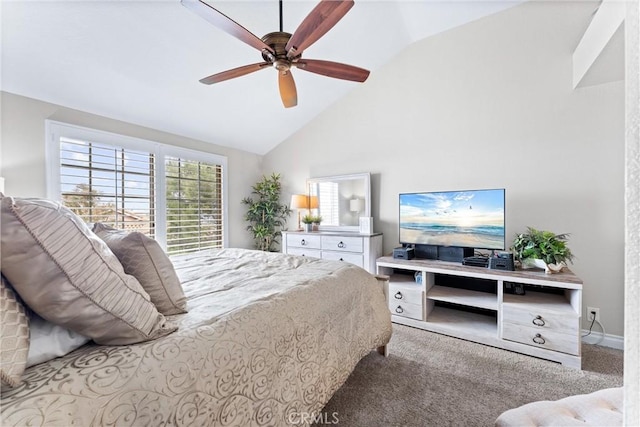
(307, 220)
(316, 220)
(543, 249)
(265, 214)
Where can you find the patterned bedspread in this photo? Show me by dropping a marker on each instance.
(268, 339)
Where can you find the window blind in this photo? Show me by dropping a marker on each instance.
(328, 197)
(194, 205)
(108, 184)
(172, 194)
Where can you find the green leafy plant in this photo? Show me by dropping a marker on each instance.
(308, 219)
(545, 245)
(316, 219)
(265, 214)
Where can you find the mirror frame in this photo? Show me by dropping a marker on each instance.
(366, 177)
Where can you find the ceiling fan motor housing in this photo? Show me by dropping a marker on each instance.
(277, 41)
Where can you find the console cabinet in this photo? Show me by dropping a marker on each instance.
(476, 304)
(359, 249)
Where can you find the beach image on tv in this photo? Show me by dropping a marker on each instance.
(457, 218)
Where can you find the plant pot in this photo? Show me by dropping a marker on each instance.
(539, 263)
(308, 227)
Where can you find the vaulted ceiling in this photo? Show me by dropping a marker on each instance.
(140, 61)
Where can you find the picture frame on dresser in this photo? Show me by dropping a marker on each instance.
(366, 225)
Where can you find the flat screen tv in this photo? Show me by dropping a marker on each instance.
(468, 219)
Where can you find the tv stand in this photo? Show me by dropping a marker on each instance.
(473, 303)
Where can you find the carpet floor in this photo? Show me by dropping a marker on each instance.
(434, 380)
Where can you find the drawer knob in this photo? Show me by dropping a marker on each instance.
(398, 295)
(341, 245)
(341, 259)
(538, 339)
(303, 242)
(399, 310)
(538, 321)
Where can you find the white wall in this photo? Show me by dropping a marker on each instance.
(22, 160)
(489, 105)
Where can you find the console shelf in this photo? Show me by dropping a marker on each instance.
(463, 297)
(471, 303)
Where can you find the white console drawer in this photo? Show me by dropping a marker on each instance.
(342, 243)
(309, 241)
(540, 319)
(405, 293)
(315, 253)
(549, 339)
(405, 309)
(355, 259)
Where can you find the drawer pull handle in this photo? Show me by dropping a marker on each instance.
(303, 242)
(399, 310)
(341, 245)
(341, 259)
(538, 321)
(538, 339)
(398, 295)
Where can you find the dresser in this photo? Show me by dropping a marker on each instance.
(358, 249)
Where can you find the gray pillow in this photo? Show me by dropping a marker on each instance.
(143, 258)
(67, 275)
(14, 333)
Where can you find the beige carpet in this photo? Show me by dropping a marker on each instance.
(433, 380)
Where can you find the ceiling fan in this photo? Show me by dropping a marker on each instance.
(282, 50)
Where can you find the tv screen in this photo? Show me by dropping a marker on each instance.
(470, 219)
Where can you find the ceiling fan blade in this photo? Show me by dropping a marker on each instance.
(320, 20)
(288, 92)
(225, 23)
(233, 73)
(333, 69)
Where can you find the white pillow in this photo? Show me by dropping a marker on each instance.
(48, 340)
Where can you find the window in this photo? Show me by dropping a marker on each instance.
(172, 194)
(194, 205)
(104, 183)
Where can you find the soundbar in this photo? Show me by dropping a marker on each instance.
(476, 261)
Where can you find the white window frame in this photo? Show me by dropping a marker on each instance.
(55, 130)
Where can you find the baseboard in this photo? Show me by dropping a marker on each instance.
(612, 341)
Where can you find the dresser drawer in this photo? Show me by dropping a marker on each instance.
(355, 259)
(405, 309)
(309, 241)
(405, 293)
(315, 253)
(540, 319)
(549, 339)
(342, 243)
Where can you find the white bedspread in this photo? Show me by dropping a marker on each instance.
(268, 339)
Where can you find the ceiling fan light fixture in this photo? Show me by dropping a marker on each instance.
(282, 65)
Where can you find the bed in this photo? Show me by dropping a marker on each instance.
(268, 338)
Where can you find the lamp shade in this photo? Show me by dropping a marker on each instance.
(313, 202)
(356, 205)
(298, 201)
